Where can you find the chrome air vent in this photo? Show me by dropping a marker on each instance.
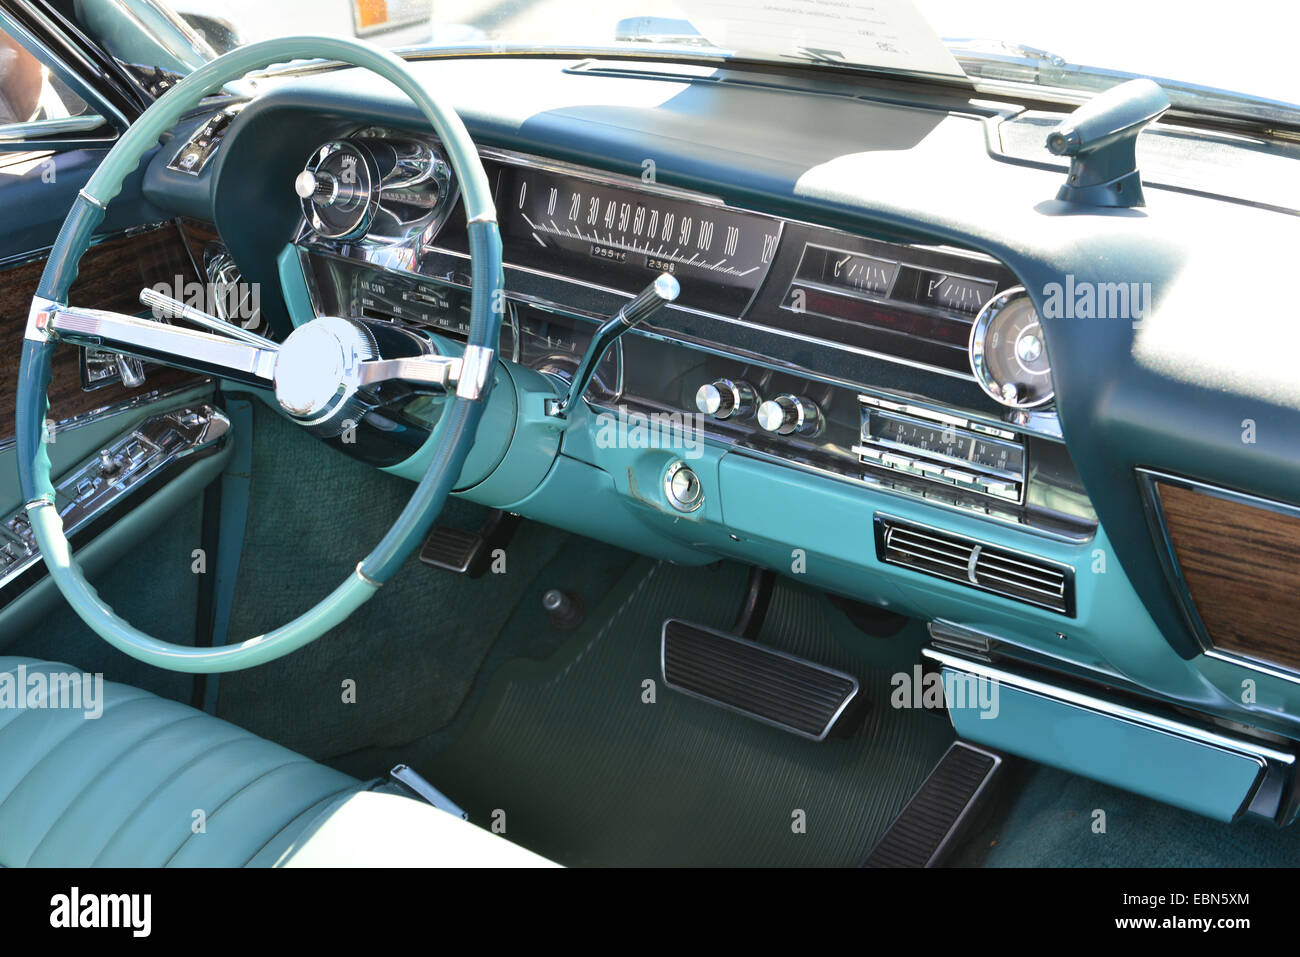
(1026, 578)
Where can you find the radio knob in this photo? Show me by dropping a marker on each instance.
(724, 398)
(789, 415)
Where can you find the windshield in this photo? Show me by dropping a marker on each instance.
(1199, 49)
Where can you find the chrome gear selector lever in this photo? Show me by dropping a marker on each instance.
(645, 304)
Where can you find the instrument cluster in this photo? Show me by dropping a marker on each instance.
(909, 366)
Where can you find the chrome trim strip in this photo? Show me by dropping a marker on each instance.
(545, 163)
(38, 502)
(40, 319)
(366, 579)
(476, 365)
(482, 218)
(1259, 666)
(92, 200)
(40, 129)
(1111, 709)
(115, 408)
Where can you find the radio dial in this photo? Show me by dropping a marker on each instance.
(790, 415)
(724, 398)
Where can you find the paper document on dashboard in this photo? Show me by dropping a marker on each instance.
(881, 33)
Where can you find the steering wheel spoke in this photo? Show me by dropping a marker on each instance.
(203, 352)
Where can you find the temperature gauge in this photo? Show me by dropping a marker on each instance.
(956, 293)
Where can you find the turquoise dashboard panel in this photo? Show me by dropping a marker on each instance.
(1196, 775)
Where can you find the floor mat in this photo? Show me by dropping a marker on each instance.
(570, 757)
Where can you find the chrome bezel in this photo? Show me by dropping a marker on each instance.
(367, 211)
(684, 507)
(978, 333)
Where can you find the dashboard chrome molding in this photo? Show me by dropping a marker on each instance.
(529, 160)
(532, 161)
(1044, 424)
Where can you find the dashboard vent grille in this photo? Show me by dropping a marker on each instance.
(1026, 578)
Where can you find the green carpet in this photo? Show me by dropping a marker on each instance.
(587, 773)
(1046, 820)
(152, 586)
(413, 653)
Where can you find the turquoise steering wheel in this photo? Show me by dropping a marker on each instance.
(235, 360)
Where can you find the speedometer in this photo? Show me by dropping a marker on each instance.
(620, 237)
(1007, 352)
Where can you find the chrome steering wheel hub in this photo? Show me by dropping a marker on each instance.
(318, 368)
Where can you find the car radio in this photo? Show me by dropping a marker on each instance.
(946, 449)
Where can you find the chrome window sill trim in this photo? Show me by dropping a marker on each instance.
(1110, 709)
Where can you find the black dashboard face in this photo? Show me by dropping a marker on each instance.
(622, 238)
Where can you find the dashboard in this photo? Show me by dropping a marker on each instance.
(862, 345)
(576, 238)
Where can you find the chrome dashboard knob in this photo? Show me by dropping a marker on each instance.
(790, 415)
(319, 188)
(724, 398)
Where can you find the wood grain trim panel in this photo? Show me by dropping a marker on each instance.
(1241, 564)
(111, 276)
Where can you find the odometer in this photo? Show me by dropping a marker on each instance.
(619, 237)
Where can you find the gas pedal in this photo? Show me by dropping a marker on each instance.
(779, 689)
(928, 828)
(469, 553)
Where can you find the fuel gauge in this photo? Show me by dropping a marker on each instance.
(1007, 352)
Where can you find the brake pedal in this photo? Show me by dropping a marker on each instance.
(469, 553)
(779, 689)
(928, 828)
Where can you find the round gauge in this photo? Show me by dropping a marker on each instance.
(1007, 351)
(338, 190)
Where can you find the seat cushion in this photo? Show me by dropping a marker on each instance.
(149, 782)
(129, 779)
(379, 829)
